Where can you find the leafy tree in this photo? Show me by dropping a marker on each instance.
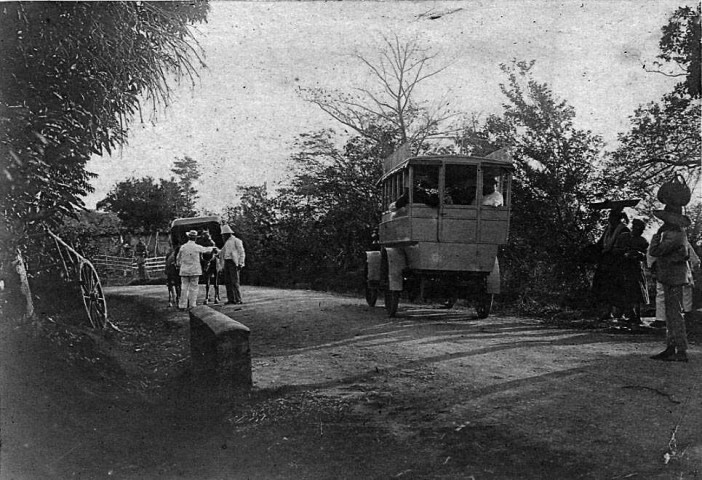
(388, 114)
(317, 226)
(90, 223)
(681, 49)
(332, 201)
(555, 167)
(255, 221)
(144, 205)
(82, 232)
(664, 137)
(136, 202)
(694, 232)
(73, 76)
(187, 171)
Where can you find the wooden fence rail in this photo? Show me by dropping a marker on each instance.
(128, 265)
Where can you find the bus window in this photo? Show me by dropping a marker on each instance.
(391, 191)
(400, 196)
(391, 186)
(386, 196)
(426, 185)
(396, 185)
(461, 184)
(494, 187)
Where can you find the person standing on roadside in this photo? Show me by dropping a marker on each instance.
(608, 284)
(188, 260)
(234, 258)
(141, 254)
(633, 247)
(670, 248)
(173, 282)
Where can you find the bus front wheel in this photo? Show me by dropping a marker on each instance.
(392, 300)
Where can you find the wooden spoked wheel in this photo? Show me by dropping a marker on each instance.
(93, 297)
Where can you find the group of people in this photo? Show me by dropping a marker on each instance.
(140, 252)
(427, 192)
(188, 259)
(465, 195)
(620, 282)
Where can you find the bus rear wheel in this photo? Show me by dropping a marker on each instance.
(483, 305)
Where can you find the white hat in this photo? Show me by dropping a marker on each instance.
(226, 229)
(192, 233)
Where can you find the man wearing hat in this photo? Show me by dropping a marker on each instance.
(234, 258)
(188, 260)
(670, 248)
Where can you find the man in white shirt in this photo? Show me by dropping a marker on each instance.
(188, 260)
(234, 260)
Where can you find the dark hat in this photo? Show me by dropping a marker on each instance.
(615, 204)
(673, 215)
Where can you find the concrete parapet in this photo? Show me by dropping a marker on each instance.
(220, 351)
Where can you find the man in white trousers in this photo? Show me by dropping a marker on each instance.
(190, 270)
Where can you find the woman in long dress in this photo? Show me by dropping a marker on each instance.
(608, 282)
(633, 247)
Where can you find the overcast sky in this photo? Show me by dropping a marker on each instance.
(242, 118)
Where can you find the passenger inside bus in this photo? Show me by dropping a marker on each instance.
(461, 184)
(491, 197)
(401, 202)
(426, 185)
(493, 184)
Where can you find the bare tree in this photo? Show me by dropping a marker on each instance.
(388, 113)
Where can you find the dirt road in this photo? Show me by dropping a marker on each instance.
(341, 391)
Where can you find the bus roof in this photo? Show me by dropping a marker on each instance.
(180, 222)
(404, 153)
(500, 160)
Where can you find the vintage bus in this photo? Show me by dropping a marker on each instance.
(443, 219)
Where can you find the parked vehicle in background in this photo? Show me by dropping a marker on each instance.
(180, 227)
